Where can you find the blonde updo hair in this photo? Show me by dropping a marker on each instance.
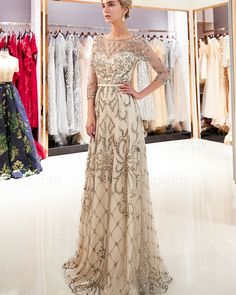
(126, 4)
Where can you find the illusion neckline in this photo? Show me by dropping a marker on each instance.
(132, 36)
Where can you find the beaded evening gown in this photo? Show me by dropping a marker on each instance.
(117, 251)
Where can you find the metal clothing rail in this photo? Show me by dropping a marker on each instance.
(107, 28)
(14, 24)
(215, 30)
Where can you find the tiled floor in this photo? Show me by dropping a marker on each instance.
(194, 201)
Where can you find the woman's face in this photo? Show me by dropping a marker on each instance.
(112, 10)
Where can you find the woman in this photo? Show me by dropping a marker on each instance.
(117, 251)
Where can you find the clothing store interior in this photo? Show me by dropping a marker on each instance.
(188, 128)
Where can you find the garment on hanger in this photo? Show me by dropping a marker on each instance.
(69, 73)
(214, 97)
(161, 119)
(62, 120)
(179, 91)
(52, 101)
(169, 87)
(78, 109)
(147, 104)
(85, 55)
(203, 56)
(18, 154)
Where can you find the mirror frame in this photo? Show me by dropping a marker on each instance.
(194, 113)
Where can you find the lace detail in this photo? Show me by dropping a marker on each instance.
(52, 104)
(111, 51)
(76, 87)
(117, 251)
(69, 71)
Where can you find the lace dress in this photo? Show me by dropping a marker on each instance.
(117, 251)
(62, 121)
(69, 73)
(78, 111)
(147, 104)
(52, 104)
(169, 84)
(85, 55)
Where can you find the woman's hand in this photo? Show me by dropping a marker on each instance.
(91, 125)
(128, 89)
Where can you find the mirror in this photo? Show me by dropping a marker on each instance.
(213, 73)
(166, 113)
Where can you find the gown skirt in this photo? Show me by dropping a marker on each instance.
(117, 249)
(18, 154)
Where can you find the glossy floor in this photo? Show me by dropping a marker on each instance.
(194, 201)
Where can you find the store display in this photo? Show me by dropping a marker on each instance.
(18, 155)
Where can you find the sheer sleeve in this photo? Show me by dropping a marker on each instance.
(92, 78)
(147, 54)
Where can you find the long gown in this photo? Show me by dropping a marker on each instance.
(117, 251)
(18, 154)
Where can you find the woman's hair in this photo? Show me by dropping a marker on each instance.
(126, 4)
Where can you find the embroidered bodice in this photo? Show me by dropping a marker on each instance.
(114, 61)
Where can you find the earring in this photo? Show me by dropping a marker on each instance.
(123, 17)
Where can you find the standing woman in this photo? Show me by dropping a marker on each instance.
(117, 251)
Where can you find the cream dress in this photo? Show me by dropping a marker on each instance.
(117, 251)
(161, 119)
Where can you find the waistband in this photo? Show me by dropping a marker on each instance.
(6, 83)
(104, 85)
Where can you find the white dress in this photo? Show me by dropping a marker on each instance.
(69, 73)
(52, 103)
(62, 122)
(161, 119)
(202, 60)
(214, 98)
(147, 104)
(78, 110)
(169, 84)
(85, 55)
(180, 96)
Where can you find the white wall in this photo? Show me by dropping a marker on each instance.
(196, 4)
(179, 4)
(172, 4)
(15, 11)
(77, 14)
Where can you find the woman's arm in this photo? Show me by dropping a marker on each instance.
(146, 53)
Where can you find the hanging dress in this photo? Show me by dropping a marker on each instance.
(161, 119)
(169, 96)
(179, 91)
(52, 102)
(78, 110)
(69, 73)
(60, 60)
(18, 155)
(85, 55)
(117, 251)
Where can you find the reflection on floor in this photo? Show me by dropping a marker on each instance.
(194, 202)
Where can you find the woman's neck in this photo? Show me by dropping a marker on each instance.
(119, 31)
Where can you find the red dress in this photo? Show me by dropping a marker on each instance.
(33, 81)
(12, 47)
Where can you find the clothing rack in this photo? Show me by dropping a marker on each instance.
(215, 30)
(14, 24)
(100, 28)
